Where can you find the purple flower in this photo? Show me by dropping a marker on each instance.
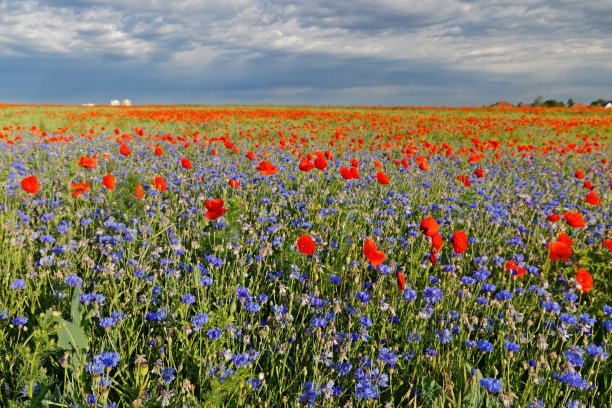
(18, 284)
(492, 385)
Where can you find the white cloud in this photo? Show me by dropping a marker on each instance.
(189, 40)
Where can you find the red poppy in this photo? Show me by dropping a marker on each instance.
(382, 178)
(517, 271)
(250, 155)
(109, 181)
(608, 244)
(592, 198)
(479, 173)
(158, 151)
(563, 237)
(429, 226)
(160, 184)
(214, 152)
(460, 241)
(559, 251)
(432, 257)
(214, 209)
(579, 174)
(401, 281)
(377, 164)
(79, 188)
(139, 192)
(266, 168)
(436, 241)
(234, 183)
(589, 184)
(87, 162)
(345, 173)
(574, 219)
(124, 150)
(465, 180)
(354, 162)
(585, 280)
(30, 184)
(553, 217)
(424, 166)
(375, 256)
(320, 163)
(306, 165)
(186, 163)
(306, 245)
(354, 171)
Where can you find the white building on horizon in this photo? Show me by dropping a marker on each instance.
(115, 102)
(126, 102)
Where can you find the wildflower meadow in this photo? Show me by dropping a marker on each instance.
(305, 256)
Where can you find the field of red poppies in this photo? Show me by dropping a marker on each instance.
(285, 256)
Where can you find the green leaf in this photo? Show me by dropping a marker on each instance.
(430, 391)
(475, 393)
(71, 337)
(76, 309)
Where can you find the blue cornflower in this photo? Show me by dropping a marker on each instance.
(596, 351)
(241, 359)
(18, 284)
(213, 333)
(488, 287)
(482, 300)
(167, 375)
(551, 306)
(504, 295)
(309, 396)
(492, 384)
(243, 293)
(433, 294)
(20, 321)
(568, 319)
(409, 295)
(513, 347)
(444, 336)
(343, 368)
(388, 356)
(188, 299)
(107, 322)
(574, 379)
(574, 358)
(199, 320)
(255, 383)
(364, 297)
(366, 390)
(365, 321)
(485, 346)
(319, 322)
(252, 307)
(73, 280)
(108, 359)
(335, 280)
(206, 280)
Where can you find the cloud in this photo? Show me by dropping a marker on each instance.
(390, 51)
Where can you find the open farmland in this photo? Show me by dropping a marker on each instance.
(234, 256)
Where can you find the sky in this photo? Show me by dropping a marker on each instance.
(318, 52)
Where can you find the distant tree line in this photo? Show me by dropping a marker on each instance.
(553, 103)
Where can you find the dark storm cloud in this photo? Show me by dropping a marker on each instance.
(441, 52)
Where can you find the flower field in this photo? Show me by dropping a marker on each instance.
(234, 256)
